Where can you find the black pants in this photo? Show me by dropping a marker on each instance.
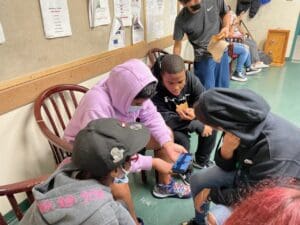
(204, 148)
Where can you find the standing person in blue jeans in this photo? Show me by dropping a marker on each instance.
(243, 60)
(257, 145)
(200, 20)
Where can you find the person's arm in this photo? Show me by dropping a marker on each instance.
(177, 36)
(152, 119)
(225, 157)
(177, 47)
(226, 17)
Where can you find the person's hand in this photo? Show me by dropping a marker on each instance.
(161, 166)
(207, 131)
(190, 113)
(230, 144)
(173, 150)
(186, 114)
(224, 33)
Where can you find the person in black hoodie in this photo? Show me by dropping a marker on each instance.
(257, 145)
(244, 5)
(177, 91)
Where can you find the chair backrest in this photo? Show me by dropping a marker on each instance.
(155, 53)
(53, 109)
(11, 190)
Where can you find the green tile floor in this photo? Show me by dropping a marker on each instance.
(280, 87)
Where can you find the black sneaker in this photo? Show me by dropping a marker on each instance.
(202, 165)
(238, 76)
(186, 178)
(190, 222)
(252, 71)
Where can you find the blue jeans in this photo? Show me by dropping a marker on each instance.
(244, 58)
(211, 177)
(211, 73)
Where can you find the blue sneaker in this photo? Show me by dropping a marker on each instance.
(173, 189)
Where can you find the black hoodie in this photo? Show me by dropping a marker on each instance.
(244, 5)
(270, 145)
(166, 102)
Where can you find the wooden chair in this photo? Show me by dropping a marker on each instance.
(10, 190)
(53, 109)
(154, 53)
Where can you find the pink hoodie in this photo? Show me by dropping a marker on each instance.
(111, 98)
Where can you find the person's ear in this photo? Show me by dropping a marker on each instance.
(114, 173)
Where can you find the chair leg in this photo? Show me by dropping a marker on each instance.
(143, 172)
(144, 177)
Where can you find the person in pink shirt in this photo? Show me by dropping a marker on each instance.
(125, 95)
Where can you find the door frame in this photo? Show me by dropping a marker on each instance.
(297, 32)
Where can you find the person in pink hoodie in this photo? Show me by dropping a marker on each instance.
(125, 95)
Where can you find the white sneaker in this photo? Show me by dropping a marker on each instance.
(260, 65)
(252, 71)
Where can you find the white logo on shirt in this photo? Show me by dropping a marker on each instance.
(210, 8)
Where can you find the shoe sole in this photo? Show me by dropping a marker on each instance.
(161, 196)
(239, 79)
(253, 72)
(197, 166)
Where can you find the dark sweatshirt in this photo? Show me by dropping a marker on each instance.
(166, 103)
(270, 145)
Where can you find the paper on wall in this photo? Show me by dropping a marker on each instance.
(137, 30)
(99, 13)
(122, 10)
(136, 7)
(2, 37)
(173, 10)
(56, 19)
(117, 35)
(155, 7)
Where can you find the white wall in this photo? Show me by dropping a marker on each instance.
(25, 153)
(282, 14)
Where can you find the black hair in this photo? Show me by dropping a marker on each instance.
(148, 91)
(184, 1)
(172, 64)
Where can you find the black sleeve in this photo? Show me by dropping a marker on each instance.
(230, 195)
(196, 126)
(225, 196)
(196, 88)
(225, 164)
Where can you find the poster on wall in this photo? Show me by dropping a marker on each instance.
(137, 30)
(155, 22)
(136, 6)
(2, 37)
(122, 10)
(56, 19)
(99, 13)
(117, 35)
